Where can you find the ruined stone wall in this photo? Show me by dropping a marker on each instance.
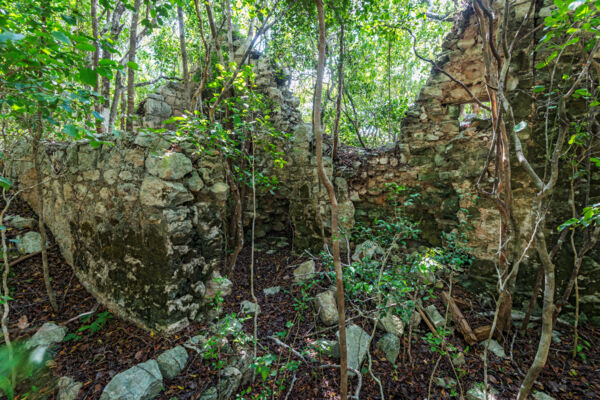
(139, 223)
(147, 242)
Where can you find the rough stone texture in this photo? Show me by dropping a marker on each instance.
(145, 247)
(389, 344)
(68, 388)
(31, 242)
(47, 335)
(18, 222)
(326, 307)
(495, 348)
(305, 271)
(357, 345)
(272, 291)
(434, 315)
(248, 307)
(542, 396)
(140, 382)
(477, 393)
(172, 362)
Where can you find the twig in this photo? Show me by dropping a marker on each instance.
(291, 387)
(93, 310)
(28, 256)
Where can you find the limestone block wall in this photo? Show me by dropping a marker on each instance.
(139, 222)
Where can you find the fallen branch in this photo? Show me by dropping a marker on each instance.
(426, 319)
(461, 323)
(28, 256)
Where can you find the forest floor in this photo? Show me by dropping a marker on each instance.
(96, 357)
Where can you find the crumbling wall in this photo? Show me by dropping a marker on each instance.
(139, 222)
(148, 242)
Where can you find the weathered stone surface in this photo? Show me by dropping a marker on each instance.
(391, 324)
(390, 346)
(434, 315)
(172, 362)
(326, 307)
(330, 348)
(68, 388)
(537, 395)
(357, 345)
(477, 393)
(304, 272)
(169, 165)
(495, 348)
(18, 222)
(367, 249)
(141, 382)
(30, 242)
(47, 335)
(145, 247)
(248, 307)
(272, 290)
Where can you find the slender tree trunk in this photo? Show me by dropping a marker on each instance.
(96, 57)
(37, 138)
(213, 31)
(184, 56)
(389, 62)
(335, 236)
(4, 294)
(130, 70)
(107, 107)
(229, 31)
(547, 314)
(338, 110)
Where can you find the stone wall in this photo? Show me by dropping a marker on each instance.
(139, 222)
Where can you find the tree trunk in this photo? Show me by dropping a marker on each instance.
(96, 57)
(334, 205)
(338, 110)
(130, 70)
(37, 138)
(107, 107)
(547, 314)
(184, 57)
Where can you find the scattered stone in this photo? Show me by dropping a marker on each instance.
(366, 249)
(230, 378)
(390, 346)
(172, 362)
(272, 290)
(391, 324)
(229, 325)
(357, 344)
(556, 337)
(435, 316)
(305, 272)
(542, 396)
(477, 393)
(140, 382)
(459, 360)
(68, 388)
(327, 308)
(170, 166)
(495, 348)
(217, 285)
(330, 348)
(47, 335)
(248, 307)
(446, 383)
(19, 222)
(30, 242)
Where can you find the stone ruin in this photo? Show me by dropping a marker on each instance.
(141, 221)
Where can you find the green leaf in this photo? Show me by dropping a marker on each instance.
(71, 130)
(539, 88)
(5, 183)
(97, 115)
(595, 161)
(520, 126)
(133, 66)
(60, 35)
(13, 37)
(85, 47)
(88, 76)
